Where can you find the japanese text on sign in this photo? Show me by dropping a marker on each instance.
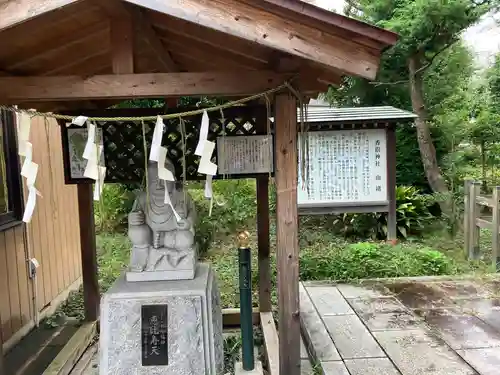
(154, 328)
(245, 154)
(345, 166)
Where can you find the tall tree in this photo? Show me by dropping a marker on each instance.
(427, 29)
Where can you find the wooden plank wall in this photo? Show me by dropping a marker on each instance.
(53, 238)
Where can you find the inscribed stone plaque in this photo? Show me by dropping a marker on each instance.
(245, 154)
(77, 139)
(347, 166)
(154, 331)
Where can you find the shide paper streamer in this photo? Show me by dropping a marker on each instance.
(29, 169)
(154, 154)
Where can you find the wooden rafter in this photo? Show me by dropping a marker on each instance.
(117, 9)
(19, 61)
(245, 21)
(18, 89)
(150, 36)
(16, 12)
(173, 27)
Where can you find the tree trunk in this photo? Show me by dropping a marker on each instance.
(427, 150)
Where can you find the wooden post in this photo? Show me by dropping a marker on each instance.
(263, 243)
(88, 249)
(392, 223)
(287, 243)
(467, 219)
(474, 214)
(495, 237)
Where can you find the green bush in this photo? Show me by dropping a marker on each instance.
(373, 260)
(412, 216)
(112, 211)
(234, 209)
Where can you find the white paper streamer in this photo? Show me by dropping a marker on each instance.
(164, 173)
(30, 173)
(30, 204)
(208, 187)
(90, 145)
(28, 153)
(79, 121)
(154, 155)
(206, 166)
(169, 202)
(24, 127)
(205, 122)
(99, 184)
(92, 167)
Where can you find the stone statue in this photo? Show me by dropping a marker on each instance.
(163, 248)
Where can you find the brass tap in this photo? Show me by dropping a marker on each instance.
(243, 239)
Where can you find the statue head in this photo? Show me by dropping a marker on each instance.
(156, 185)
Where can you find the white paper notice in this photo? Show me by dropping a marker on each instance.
(157, 137)
(90, 145)
(208, 187)
(169, 202)
(245, 155)
(79, 121)
(99, 184)
(205, 122)
(164, 173)
(206, 166)
(30, 204)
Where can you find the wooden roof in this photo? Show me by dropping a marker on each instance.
(83, 38)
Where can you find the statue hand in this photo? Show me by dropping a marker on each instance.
(183, 224)
(136, 218)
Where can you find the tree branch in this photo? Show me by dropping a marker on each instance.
(431, 60)
(377, 84)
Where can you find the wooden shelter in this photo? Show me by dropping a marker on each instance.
(85, 54)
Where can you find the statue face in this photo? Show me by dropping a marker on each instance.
(156, 185)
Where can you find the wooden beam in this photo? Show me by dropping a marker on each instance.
(149, 35)
(257, 25)
(287, 243)
(73, 350)
(15, 12)
(89, 254)
(231, 318)
(19, 89)
(122, 44)
(271, 342)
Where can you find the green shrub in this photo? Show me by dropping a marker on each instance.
(412, 216)
(112, 211)
(373, 260)
(234, 209)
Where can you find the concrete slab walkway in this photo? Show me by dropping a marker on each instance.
(403, 327)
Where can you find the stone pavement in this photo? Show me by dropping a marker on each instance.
(402, 327)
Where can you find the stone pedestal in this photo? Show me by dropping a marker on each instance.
(162, 327)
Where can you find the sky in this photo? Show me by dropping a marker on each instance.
(483, 38)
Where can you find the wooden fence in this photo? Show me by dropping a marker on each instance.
(475, 219)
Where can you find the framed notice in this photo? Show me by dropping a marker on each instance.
(344, 167)
(246, 155)
(76, 139)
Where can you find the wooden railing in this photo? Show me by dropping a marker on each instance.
(474, 220)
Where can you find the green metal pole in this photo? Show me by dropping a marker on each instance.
(245, 267)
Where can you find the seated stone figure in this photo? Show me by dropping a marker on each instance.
(163, 248)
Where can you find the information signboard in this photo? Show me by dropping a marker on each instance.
(344, 166)
(245, 154)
